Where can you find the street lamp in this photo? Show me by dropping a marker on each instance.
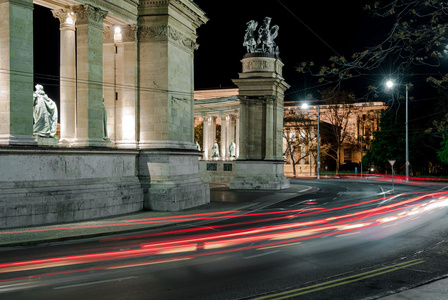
(305, 106)
(390, 84)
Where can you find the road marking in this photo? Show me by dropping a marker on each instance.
(341, 281)
(93, 282)
(261, 254)
(281, 245)
(149, 263)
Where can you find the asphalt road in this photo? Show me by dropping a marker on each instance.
(348, 240)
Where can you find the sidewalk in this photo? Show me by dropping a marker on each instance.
(434, 290)
(224, 203)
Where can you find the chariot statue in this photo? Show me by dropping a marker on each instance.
(265, 41)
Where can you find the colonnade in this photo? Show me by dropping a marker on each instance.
(229, 132)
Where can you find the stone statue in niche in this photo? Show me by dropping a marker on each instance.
(232, 149)
(104, 121)
(265, 41)
(215, 150)
(249, 38)
(45, 114)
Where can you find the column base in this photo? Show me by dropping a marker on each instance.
(123, 144)
(92, 143)
(264, 175)
(19, 140)
(170, 179)
(47, 141)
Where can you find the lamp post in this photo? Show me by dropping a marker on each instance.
(390, 84)
(305, 106)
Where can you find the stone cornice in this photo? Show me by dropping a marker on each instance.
(23, 3)
(117, 11)
(186, 7)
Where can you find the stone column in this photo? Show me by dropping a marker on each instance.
(205, 137)
(224, 137)
(89, 111)
(237, 135)
(212, 130)
(67, 81)
(16, 75)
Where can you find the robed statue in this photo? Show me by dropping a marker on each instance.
(215, 150)
(45, 114)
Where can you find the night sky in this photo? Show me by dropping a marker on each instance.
(309, 31)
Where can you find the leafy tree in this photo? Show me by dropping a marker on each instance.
(387, 144)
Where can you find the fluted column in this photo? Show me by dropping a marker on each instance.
(67, 81)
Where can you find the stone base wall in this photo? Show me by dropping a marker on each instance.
(217, 170)
(56, 186)
(171, 180)
(266, 175)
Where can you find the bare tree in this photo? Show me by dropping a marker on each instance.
(299, 135)
(417, 37)
(338, 111)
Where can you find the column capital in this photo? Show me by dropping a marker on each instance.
(87, 14)
(66, 17)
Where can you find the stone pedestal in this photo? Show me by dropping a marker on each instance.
(171, 181)
(261, 93)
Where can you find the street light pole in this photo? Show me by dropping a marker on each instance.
(318, 141)
(389, 85)
(407, 133)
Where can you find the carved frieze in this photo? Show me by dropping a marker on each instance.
(163, 32)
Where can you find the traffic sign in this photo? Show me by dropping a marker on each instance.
(392, 162)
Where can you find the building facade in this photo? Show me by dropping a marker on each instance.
(133, 59)
(299, 130)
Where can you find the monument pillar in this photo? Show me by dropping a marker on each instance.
(68, 75)
(16, 75)
(119, 84)
(89, 107)
(261, 92)
(168, 161)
